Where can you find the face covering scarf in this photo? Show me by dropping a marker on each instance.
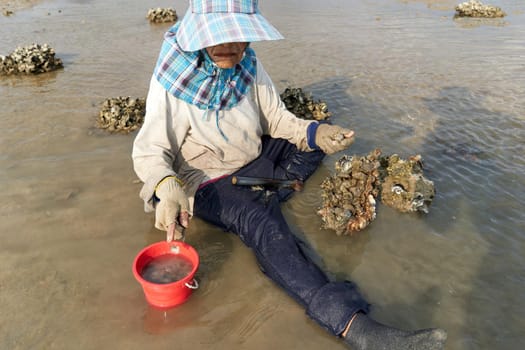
(195, 79)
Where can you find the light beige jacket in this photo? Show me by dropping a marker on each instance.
(178, 138)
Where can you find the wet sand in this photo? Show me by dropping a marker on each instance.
(404, 75)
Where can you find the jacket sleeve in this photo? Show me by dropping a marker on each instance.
(276, 120)
(158, 141)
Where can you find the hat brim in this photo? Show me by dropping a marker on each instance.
(198, 31)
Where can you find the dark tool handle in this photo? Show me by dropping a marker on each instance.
(297, 185)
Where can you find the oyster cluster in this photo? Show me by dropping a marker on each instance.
(122, 114)
(303, 105)
(474, 8)
(162, 15)
(349, 196)
(32, 59)
(403, 186)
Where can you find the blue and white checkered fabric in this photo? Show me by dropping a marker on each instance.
(210, 6)
(194, 78)
(212, 22)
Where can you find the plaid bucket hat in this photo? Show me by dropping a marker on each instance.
(213, 22)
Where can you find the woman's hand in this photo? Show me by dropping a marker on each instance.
(171, 213)
(333, 138)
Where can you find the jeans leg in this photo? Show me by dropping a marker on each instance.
(279, 159)
(258, 221)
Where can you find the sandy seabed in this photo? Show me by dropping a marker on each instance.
(402, 74)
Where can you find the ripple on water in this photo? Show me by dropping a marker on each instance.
(404, 76)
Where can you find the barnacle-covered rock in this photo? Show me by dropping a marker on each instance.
(403, 185)
(33, 59)
(349, 196)
(474, 8)
(122, 114)
(162, 15)
(303, 105)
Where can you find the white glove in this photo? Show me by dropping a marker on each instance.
(171, 213)
(333, 138)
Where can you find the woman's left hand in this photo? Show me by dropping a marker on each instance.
(333, 138)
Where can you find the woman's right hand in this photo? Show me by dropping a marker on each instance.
(171, 212)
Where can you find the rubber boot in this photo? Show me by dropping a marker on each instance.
(367, 334)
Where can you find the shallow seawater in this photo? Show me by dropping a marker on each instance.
(405, 75)
(167, 268)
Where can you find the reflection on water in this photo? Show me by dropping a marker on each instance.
(405, 75)
(478, 22)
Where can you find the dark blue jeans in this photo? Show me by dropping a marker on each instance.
(257, 219)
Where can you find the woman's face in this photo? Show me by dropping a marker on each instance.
(227, 55)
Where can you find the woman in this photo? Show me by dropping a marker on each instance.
(212, 112)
